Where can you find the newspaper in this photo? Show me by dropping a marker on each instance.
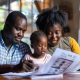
(62, 61)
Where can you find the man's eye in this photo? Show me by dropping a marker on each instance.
(17, 28)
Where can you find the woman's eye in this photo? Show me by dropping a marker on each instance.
(58, 32)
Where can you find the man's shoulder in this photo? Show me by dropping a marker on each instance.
(24, 47)
(24, 44)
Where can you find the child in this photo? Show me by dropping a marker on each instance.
(39, 44)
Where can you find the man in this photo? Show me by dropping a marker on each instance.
(12, 49)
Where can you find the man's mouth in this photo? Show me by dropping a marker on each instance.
(18, 38)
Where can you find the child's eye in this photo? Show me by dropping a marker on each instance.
(40, 45)
(50, 33)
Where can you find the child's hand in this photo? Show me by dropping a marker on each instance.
(28, 65)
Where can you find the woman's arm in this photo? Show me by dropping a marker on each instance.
(74, 45)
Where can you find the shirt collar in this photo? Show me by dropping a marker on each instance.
(3, 43)
(1, 40)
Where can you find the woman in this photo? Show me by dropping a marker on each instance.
(52, 23)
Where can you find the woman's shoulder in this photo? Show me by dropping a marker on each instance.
(69, 39)
(66, 38)
(65, 43)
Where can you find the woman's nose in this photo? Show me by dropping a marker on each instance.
(54, 35)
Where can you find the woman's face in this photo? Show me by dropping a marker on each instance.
(54, 34)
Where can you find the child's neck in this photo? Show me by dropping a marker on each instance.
(37, 56)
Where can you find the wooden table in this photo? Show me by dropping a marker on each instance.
(69, 76)
(4, 78)
(72, 76)
(36, 78)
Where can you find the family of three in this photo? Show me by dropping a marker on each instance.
(16, 55)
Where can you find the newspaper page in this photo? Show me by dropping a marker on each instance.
(62, 61)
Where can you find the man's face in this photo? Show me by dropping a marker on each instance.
(18, 30)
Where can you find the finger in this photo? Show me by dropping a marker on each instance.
(29, 63)
(27, 68)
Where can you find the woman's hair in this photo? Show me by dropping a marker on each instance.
(49, 17)
(36, 35)
(11, 19)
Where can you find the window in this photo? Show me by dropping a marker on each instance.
(27, 7)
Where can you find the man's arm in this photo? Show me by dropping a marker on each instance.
(10, 68)
(26, 65)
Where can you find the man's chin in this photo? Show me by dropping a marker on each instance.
(17, 41)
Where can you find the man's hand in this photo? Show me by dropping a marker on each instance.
(28, 65)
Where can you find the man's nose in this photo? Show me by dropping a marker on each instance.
(21, 33)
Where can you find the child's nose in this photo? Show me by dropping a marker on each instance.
(44, 48)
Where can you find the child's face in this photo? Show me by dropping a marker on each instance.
(40, 47)
(54, 34)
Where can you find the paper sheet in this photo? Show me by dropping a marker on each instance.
(21, 74)
(62, 61)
